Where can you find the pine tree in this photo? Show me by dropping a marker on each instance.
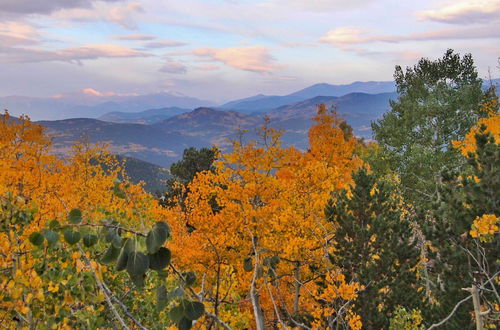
(183, 172)
(373, 244)
(464, 237)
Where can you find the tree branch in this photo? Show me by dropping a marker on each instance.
(450, 315)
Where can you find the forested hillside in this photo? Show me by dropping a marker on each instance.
(397, 233)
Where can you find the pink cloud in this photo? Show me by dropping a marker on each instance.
(140, 37)
(344, 37)
(254, 58)
(17, 33)
(464, 12)
(71, 54)
(120, 15)
(165, 44)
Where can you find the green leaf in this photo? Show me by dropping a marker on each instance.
(116, 241)
(190, 278)
(138, 280)
(89, 240)
(121, 262)
(156, 237)
(160, 259)
(164, 226)
(75, 216)
(162, 273)
(260, 271)
(274, 261)
(72, 237)
(50, 236)
(36, 239)
(247, 264)
(194, 310)
(161, 298)
(111, 236)
(110, 255)
(176, 313)
(54, 224)
(184, 324)
(137, 263)
(177, 292)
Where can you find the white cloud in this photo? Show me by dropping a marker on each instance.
(173, 67)
(343, 37)
(165, 44)
(253, 58)
(464, 12)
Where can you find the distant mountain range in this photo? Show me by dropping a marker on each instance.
(88, 105)
(262, 103)
(162, 142)
(358, 109)
(153, 176)
(159, 135)
(143, 117)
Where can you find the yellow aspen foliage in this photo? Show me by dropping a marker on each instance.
(37, 190)
(485, 227)
(468, 144)
(255, 225)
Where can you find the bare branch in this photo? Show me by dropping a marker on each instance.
(100, 285)
(450, 315)
(125, 309)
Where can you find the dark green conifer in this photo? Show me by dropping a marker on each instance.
(374, 245)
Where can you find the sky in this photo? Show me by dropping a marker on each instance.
(220, 50)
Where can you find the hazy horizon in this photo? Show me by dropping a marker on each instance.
(222, 50)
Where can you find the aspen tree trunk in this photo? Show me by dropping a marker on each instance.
(477, 307)
(260, 323)
(297, 288)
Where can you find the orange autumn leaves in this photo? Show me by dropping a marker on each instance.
(263, 201)
(36, 188)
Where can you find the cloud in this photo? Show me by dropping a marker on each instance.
(464, 12)
(344, 37)
(254, 58)
(43, 6)
(142, 37)
(173, 67)
(94, 92)
(165, 44)
(17, 33)
(323, 5)
(120, 15)
(207, 67)
(71, 54)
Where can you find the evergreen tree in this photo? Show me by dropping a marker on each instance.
(183, 172)
(374, 245)
(438, 102)
(462, 257)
